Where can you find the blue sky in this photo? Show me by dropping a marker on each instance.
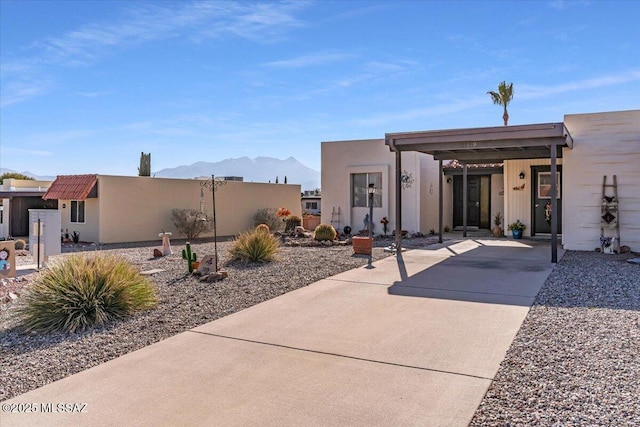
(87, 85)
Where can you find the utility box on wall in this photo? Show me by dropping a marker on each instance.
(49, 232)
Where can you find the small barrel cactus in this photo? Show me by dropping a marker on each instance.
(263, 227)
(292, 222)
(189, 257)
(324, 232)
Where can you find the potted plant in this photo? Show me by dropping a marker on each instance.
(517, 228)
(497, 221)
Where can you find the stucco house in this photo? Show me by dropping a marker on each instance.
(506, 169)
(115, 209)
(311, 202)
(17, 196)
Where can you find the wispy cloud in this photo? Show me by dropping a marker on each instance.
(531, 91)
(454, 106)
(310, 60)
(565, 4)
(150, 22)
(39, 153)
(17, 91)
(139, 24)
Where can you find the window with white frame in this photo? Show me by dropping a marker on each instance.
(359, 189)
(77, 211)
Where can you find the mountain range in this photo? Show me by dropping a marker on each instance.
(260, 169)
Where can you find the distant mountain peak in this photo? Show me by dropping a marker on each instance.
(259, 169)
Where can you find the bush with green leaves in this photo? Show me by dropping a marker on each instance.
(255, 246)
(191, 223)
(291, 223)
(268, 216)
(81, 292)
(324, 232)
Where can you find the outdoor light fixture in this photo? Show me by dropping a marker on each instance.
(521, 175)
(64, 206)
(449, 180)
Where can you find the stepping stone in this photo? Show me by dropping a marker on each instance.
(634, 260)
(150, 272)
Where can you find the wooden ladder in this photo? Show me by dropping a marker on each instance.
(335, 218)
(609, 216)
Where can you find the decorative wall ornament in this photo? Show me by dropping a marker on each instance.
(519, 187)
(406, 179)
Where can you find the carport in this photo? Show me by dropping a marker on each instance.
(482, 145)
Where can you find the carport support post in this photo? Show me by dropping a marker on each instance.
(554, 205)
(398, 201)
(464, 200)
(440, 202)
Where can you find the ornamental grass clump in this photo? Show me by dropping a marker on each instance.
(255, 246)
(83, 292)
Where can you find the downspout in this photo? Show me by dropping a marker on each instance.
(392, 146)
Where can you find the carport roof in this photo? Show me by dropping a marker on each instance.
(485, 145)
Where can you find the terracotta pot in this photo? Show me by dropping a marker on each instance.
(196, 264)
(497, 231)
(362, 245)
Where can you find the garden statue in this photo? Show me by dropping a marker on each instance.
(166, 243)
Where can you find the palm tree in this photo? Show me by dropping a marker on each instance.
(503, 97)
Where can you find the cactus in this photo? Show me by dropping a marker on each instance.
(189, 257)
(291, 223)
(264, 228)
(145, 165)
(324, 232)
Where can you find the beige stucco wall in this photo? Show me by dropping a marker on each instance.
(604, 144)
(340, 159)
(89, 230)
(132, 209)
(429, 196)
(497, 197)
(517, 203)
(13, 184)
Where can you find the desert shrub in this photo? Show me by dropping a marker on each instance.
(263, 228)
(81, 292)
(191, 223)
(20, 244)
(324, 232)
(292, 222)
(269, 217)
(255, 246)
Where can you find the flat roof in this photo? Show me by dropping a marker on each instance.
(485, 145)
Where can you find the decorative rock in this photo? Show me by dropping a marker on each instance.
(327, 243)
(214, 277)
(13, 296)
(299, 230)
(157, 253)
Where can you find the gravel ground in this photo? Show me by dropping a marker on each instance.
(576, 358)
(29, 361)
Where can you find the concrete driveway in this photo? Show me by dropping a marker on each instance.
(416, 340)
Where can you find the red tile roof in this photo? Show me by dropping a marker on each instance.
(71, 187)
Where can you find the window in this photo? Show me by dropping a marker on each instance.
(544, 185)
(77, 211)
(359, 186)
(312, 205)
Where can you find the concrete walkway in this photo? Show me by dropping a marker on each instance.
(413, 341)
